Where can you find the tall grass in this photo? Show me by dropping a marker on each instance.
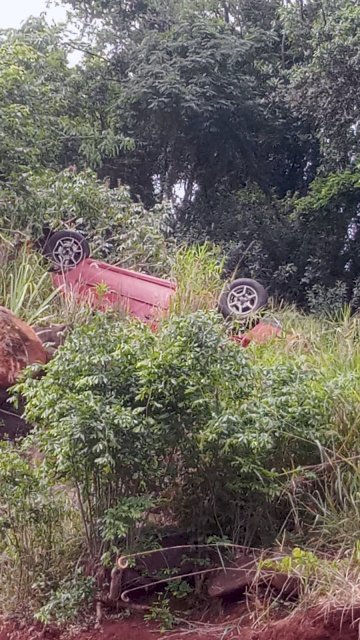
(26, 288)
(40, 539)
(327, 345)
(197, 270)
(324, 501)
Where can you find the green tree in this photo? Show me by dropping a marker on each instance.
(324, 88)
(46, 115)
(198, 95)
(327, 222)
(32, 101)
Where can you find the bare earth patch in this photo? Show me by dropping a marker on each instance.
(336, 625)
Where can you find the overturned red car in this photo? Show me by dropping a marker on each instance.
(143, 296)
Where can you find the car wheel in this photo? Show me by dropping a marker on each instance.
(242, 298)
(66, 249)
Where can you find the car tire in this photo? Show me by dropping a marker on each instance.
(242, 297)
(66, 250)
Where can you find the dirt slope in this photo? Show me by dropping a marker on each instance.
(339, 625)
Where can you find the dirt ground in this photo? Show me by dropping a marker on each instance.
(339, 625)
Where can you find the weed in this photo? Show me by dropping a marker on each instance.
(67, 600)
(160, 612)
(26, 288)
(197, 270)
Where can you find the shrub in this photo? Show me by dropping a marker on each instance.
(125, 413)
(65, 603)
(117, 227)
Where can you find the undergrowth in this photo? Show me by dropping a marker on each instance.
(25, 285)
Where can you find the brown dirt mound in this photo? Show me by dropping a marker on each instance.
(19, 347)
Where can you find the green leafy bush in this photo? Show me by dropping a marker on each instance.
(123, 412)
(117, 227)
(65, 603)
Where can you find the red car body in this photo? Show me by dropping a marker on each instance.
(103, 285)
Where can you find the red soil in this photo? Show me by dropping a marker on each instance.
(338, 625)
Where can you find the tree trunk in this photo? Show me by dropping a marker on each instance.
(226, 12)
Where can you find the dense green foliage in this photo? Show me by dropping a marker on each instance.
(125, 413)
(39, 534)
(116, 227)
